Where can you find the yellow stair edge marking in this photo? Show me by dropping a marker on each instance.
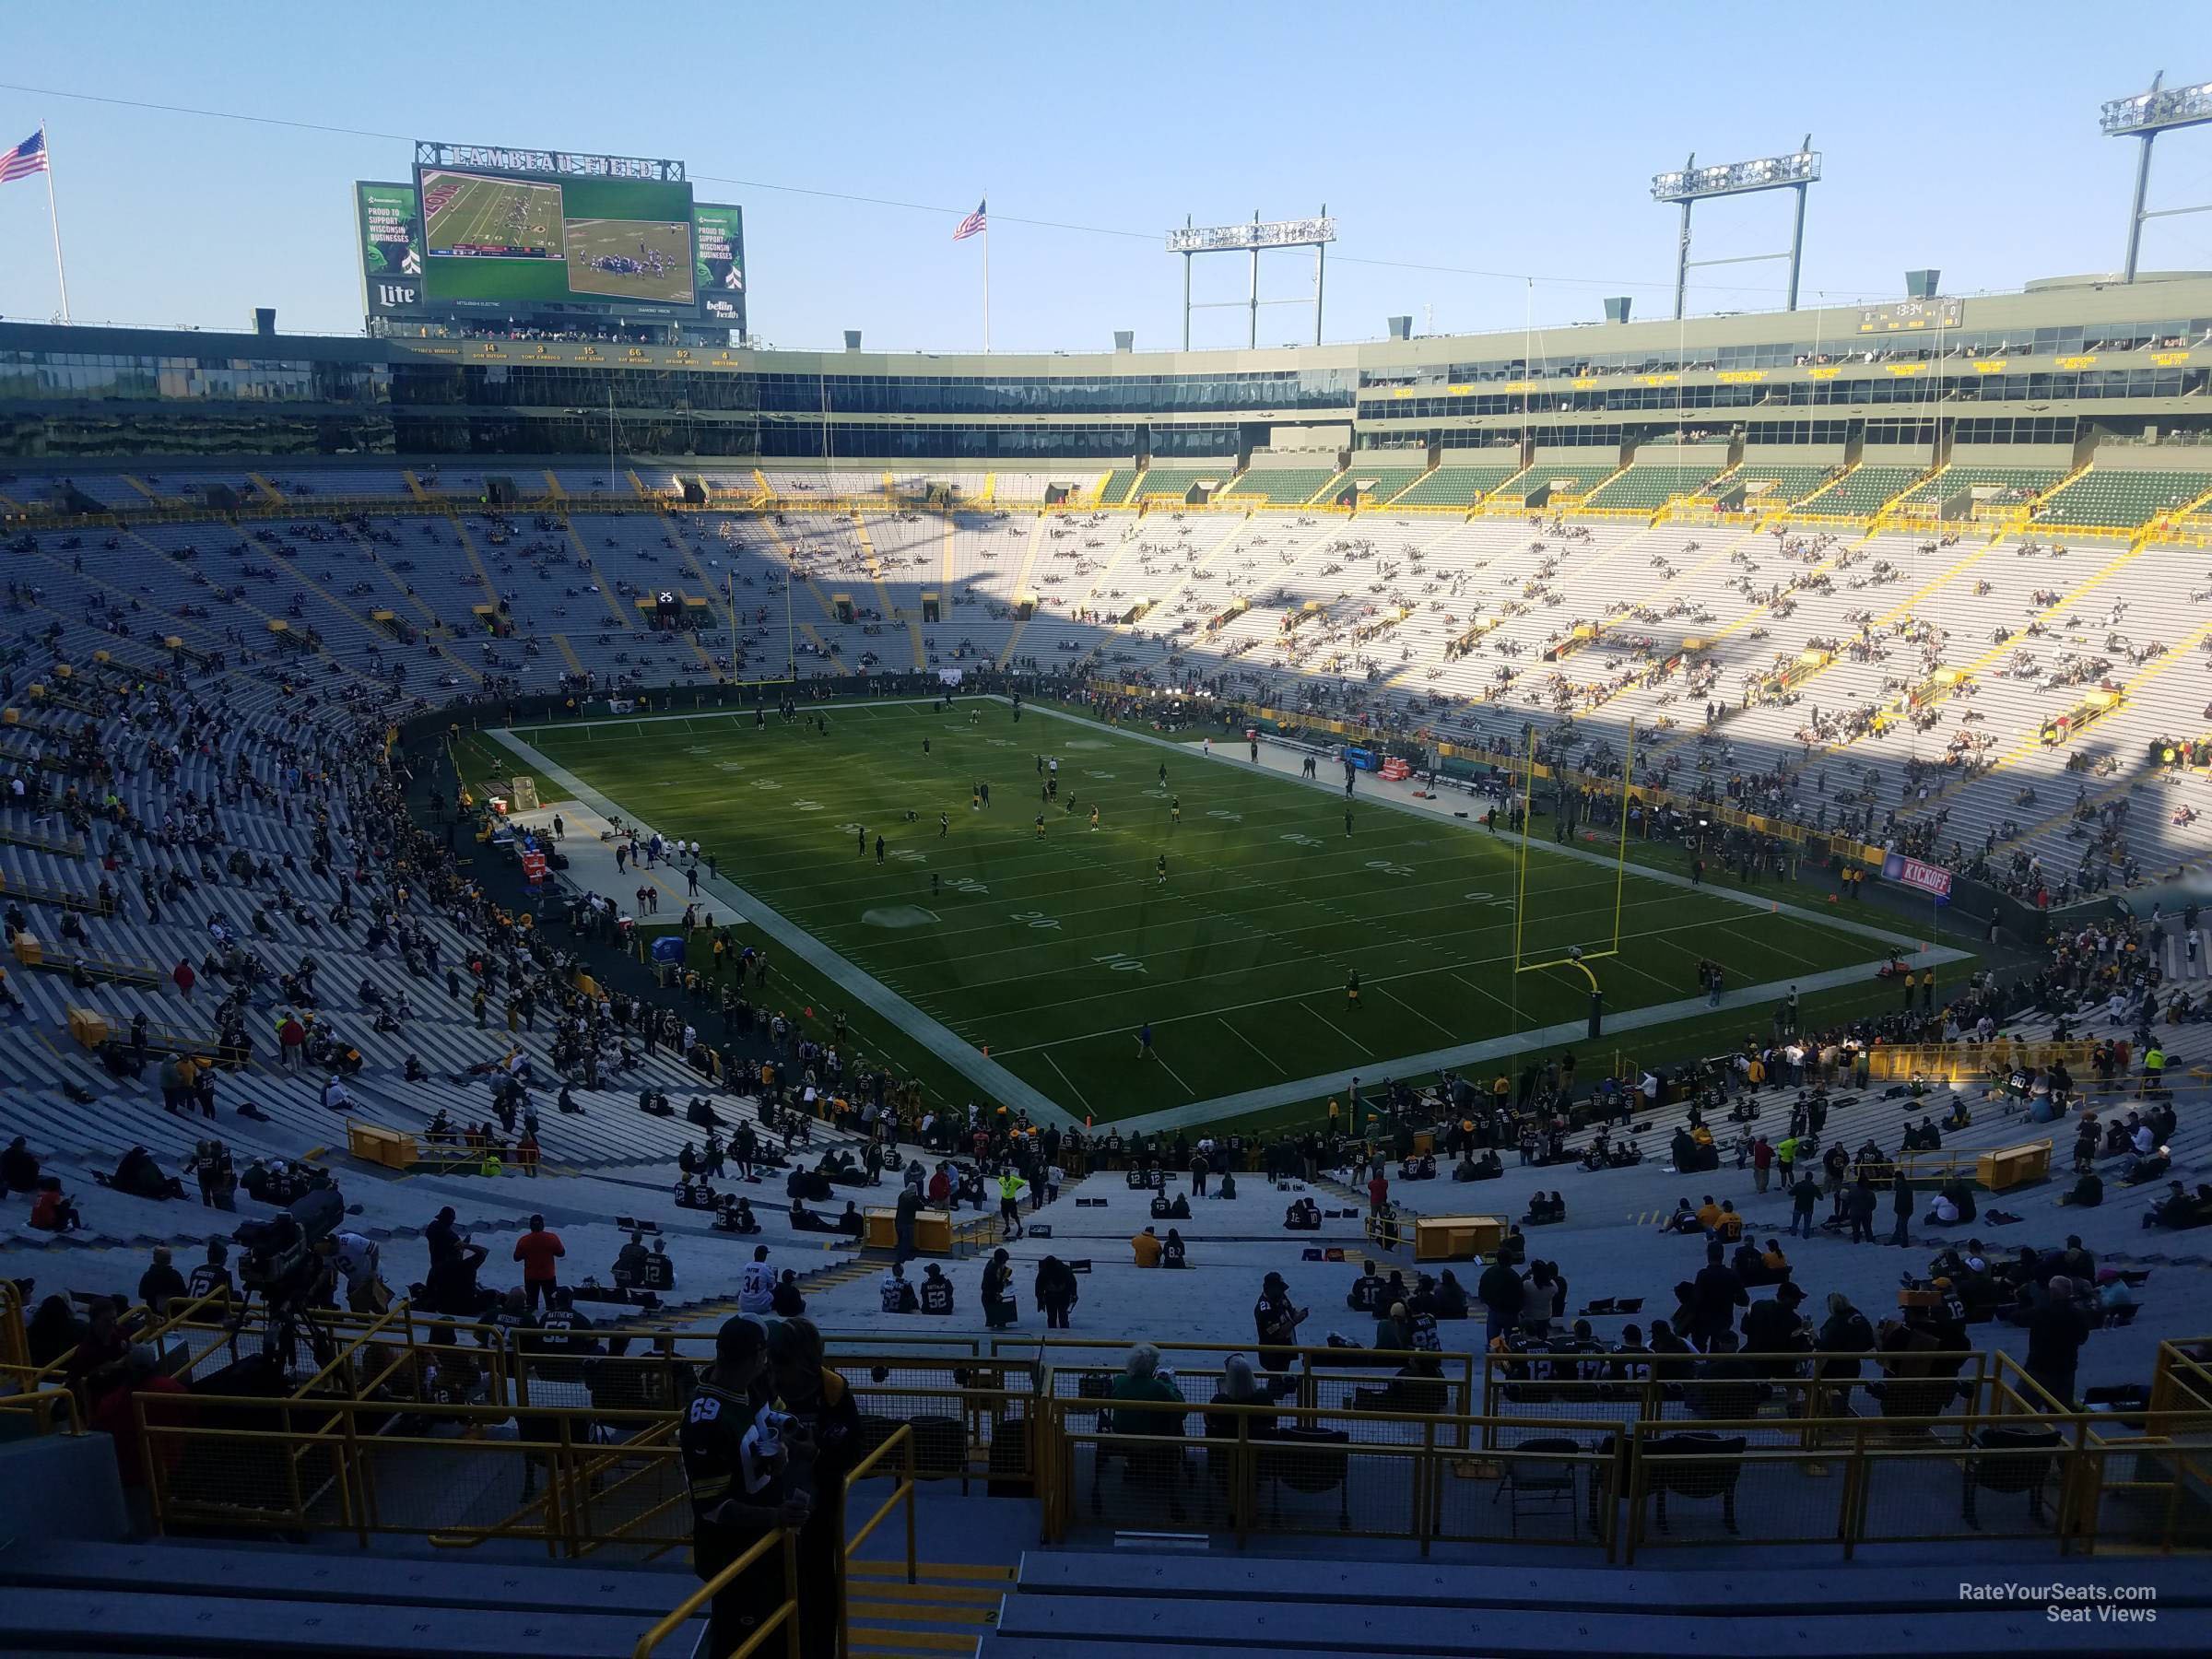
(900, 1590)
(415, 486)
(922, 1613)
(871, 1640)
(933, 1570)
(553, 487)
(637, 484)
(605, 588)
(1029, 558)
(568, 654)
(269, 490)
(2182, 655)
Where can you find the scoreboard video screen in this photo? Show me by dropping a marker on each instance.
(503, 238)
(503, 234)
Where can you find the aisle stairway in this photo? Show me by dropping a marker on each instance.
(948, 1610)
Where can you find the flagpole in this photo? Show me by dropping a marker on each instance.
(53, 219)
(986, 271)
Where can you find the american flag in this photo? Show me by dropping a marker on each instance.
(27, 158)
(969, 226)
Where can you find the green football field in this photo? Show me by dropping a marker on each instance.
(1052, 951)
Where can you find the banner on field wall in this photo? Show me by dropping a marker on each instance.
(1932, 879)
(950, 677)
(621, 705)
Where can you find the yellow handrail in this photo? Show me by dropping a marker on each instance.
(901, 1493)
(786, 1615)
(47, 1402)
(180, 1313)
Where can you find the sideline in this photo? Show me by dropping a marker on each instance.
(984, 1073)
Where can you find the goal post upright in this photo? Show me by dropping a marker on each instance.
(1528, 809)
(1576, 957)
(1620, 856)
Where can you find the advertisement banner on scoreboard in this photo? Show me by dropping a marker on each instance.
(1932, 879)
(389, 220)
(720, 253)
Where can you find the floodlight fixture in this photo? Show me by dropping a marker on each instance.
(1691, 183)
(1254, 238)
(2144, 116)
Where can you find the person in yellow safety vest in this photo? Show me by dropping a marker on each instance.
(1010, 1202)
(2154, 1069)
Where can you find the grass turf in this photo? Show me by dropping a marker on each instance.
(1052, 951)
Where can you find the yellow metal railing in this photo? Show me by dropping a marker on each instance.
(784, 1618)
(901, 1442)
(50, 1409)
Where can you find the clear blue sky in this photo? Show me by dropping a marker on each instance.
(1465, 136)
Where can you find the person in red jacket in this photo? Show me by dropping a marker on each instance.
(537, 1250)
(115, 1414)
(184, 976)
(53, 1210)
(1378, 1194)
(291, 1041)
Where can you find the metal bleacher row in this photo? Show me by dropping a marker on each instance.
(1367, 615)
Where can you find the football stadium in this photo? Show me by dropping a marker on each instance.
(1490, 993)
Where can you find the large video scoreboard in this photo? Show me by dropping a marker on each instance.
(491, 233)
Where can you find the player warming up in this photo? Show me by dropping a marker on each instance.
(1162, 869)
(1094, 818)
(1040, 826)
(1351, 988)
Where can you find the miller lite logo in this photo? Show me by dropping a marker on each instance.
(398, 294)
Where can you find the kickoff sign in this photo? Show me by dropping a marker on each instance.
(1932, 879)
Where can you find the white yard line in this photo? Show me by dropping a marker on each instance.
(1255, 1047)
(1163, 1066)
(1417, 1013)
(1070, 1082)
(1339, 1029)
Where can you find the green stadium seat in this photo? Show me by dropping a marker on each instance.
(1566, 479)
(1648, 488)
(1282, 486)
(2016, 482)
(1176, 481)
(1864, 491)
(1382, 482)
(1765, 486)
(1117, 486)
(1457, 486)
(2113, 500)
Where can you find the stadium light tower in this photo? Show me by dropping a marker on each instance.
(1314, 233)
(1695, 184)
(2144, 116)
